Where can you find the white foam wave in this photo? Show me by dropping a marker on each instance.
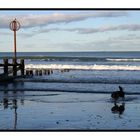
(124, 60)
(83, 67)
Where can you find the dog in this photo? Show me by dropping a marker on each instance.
(115, 95)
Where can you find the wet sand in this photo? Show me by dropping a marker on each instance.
(32, 110)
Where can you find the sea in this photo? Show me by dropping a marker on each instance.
(88, 71)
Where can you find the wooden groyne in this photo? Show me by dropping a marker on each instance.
(10, 69)
(41, 72)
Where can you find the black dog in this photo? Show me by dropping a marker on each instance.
(115, 95)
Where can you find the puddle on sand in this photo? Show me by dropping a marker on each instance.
(56, 110)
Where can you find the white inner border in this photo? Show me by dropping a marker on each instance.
(69, 4)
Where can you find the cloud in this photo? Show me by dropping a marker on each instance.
(33, 20)
(118, 43)
(123, 43)
(128, 27)
(125, 27)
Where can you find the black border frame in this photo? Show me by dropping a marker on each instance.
(82, 9)
(67, 9)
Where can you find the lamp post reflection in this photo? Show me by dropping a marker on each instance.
(15, 113)
(12, 104)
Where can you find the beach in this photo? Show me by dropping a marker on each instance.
(67, 111)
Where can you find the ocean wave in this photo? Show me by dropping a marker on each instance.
(83, 67)
(123, 59)
(86, 59)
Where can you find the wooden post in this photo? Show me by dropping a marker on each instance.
(31, 72)
(5, 66)
(62, 70)
(51, 71)
(27, 72)
(14, 67)
(44, 72)
(48, 72)
(40, 72)
(36, 72)
(22, 66)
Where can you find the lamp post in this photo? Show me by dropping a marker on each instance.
(14, 26)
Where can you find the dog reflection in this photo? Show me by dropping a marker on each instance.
(118, 109)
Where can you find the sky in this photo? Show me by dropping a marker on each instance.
(71, 31)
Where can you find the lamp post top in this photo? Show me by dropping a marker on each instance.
(14, 25)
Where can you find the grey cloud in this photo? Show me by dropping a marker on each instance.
(32, 20)
(24, 35)
(118, 42)
(122, 42)
(128, 27)
(131, 27)
(114, 43)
